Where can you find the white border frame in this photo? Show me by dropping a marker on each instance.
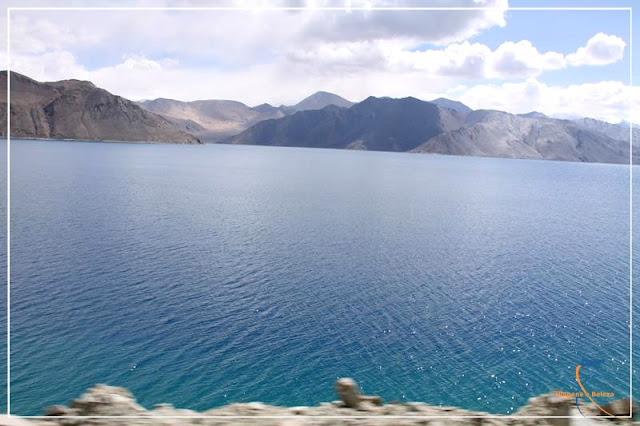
(346, 9)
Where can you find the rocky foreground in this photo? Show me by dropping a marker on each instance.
(353, 408)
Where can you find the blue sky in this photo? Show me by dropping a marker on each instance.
(562, 31)
(563, 63)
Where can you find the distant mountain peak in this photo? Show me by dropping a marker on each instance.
(323, 93)
(320, 100)
(265, 108)
(533, 114)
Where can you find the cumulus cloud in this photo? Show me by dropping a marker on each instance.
(338, 41)
(464, 59)
(437, 27)
(49, 66)
(522, 59)
(510, 60)
(601, 49)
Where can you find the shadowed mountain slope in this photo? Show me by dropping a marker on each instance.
(378, 124)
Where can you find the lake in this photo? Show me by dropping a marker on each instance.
(205, 275)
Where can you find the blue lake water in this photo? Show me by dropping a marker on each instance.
(207, 275)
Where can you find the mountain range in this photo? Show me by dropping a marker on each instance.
(215, 120)
(409, 124)
(379, 124)
(72, 109)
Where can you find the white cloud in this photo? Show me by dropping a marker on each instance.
(337, 41)
(604, 100)
(42, 35)
(456, 60)
(601, 49)
(238, 37)
(522, 59)
(49, 66)
(510, 60)
(140, 63)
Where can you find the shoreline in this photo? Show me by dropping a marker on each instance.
(23, 138)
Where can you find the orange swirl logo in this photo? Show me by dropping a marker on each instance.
(588, 394)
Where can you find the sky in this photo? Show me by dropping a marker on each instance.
(564, 63)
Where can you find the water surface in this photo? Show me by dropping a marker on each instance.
(207, 275)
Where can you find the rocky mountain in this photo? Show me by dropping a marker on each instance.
(211, 120)
(385, 124)
(215, 120)
(73, 109)
(500, 134)
(379, 124)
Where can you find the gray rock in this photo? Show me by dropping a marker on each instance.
(620, 407)
(103, 400)
(163, 406)
(58, 410)
(350, 394)
(299, 410)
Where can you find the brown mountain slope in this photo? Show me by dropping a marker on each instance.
(73, 109)
(210, 120)
(216, 120)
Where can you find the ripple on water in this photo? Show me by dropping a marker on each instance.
(249, 273)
